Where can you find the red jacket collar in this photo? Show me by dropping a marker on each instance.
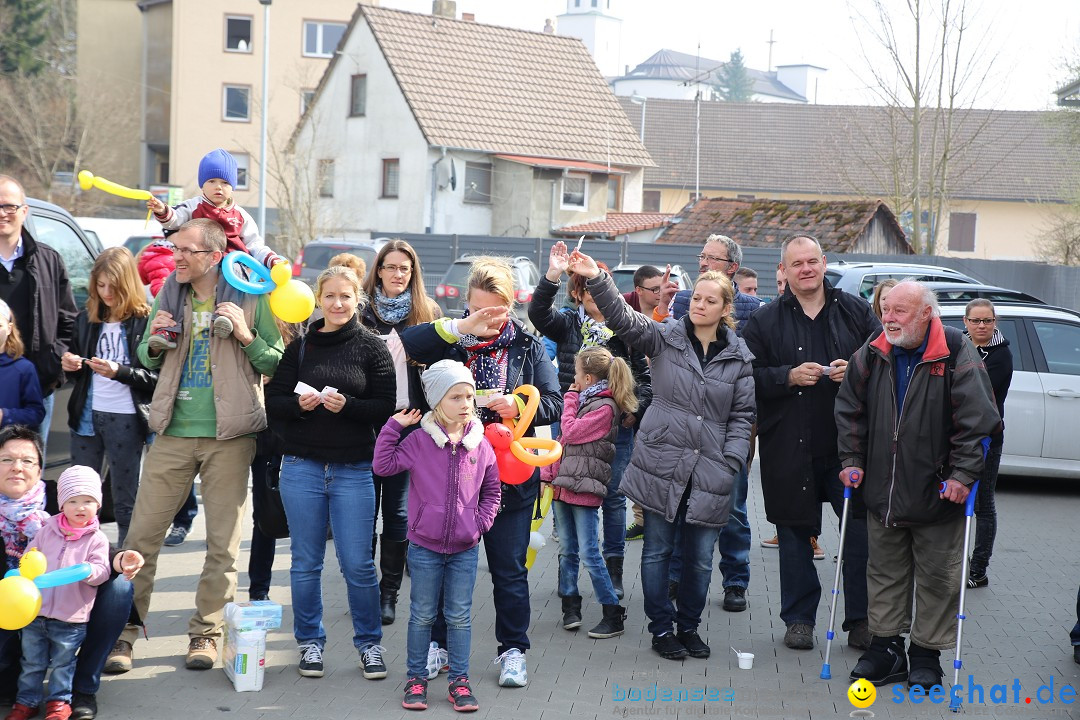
(936, 346)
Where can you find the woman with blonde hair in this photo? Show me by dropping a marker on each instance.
(502, 355)
(398, 301)
(109, 408)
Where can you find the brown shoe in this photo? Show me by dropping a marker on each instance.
(773, 542)
(119, 660)
(819, 554)
(201, 654)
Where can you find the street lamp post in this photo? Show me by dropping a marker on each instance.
(640, 100)
(265, 112)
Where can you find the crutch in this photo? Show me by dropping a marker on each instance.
(826, 671)
(969, 512)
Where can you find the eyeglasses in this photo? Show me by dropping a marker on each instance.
(397, 269)
(8, 209)
(713, 258)
(980, 321)
(654, 290)
(188, 252)
(6, 462)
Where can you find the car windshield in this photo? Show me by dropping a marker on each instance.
(319, 256)
(624, 280)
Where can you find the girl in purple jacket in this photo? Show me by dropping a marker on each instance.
(453, 498)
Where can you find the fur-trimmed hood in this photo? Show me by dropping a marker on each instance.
(474, 432)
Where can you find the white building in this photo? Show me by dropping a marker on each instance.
(594, 23)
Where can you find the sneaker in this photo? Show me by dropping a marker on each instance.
(223, 326)
(635, 532)
(311, 662)
(512, 672)
(438, 660)
(372, 662)
(162, 340)
(57, 710)
(773, 542)
(799, 636)
(415, 694)
(859, 636)
(83, 706)
(201, 654)
(668, 647)
(819, 554)
(176, 536)
(735, 598)
(461, 697)
(21, 712)
(119, 660)
(978, 581)
(693, 643)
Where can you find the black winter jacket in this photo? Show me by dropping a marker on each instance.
(779, 341)
(136, 376)
(997, 357)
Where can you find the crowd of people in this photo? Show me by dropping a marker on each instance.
(374, 413)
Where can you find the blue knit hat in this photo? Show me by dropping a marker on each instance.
(217, 164)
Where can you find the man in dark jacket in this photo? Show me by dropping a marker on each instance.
(913, 410)
(34, 283)
(801, 345)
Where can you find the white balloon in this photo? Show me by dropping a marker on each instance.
(536, 541)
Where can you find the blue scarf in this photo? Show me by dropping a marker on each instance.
(393, 310)
(593, 390)
(488, 359)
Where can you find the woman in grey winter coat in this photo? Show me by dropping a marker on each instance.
(690, 447)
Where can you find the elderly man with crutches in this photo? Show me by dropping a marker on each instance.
(911, 415)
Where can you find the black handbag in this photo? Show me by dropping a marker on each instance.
(270, 513)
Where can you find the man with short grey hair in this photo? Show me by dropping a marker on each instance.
(912, 414)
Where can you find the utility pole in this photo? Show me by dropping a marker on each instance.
(265, 112)
(770, 43)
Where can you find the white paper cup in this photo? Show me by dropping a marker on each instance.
(746, 661)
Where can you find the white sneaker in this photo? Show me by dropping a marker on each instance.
(512, 671)
(437, 661)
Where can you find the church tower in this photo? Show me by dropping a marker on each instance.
(594, 22)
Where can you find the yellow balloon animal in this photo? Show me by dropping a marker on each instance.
(88, 180)
(537, 540)
(21, 604)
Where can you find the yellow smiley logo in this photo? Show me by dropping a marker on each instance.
(862, 693)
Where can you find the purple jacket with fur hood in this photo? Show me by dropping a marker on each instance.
(454, 490)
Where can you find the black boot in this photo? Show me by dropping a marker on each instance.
(926, 669)
(884, 663)
(612, 624)
(392, 565)
(614, 570)
(571, 612)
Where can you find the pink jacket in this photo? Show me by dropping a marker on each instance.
(72, 602)
(155, 264)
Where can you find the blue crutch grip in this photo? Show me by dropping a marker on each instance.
(854, 478)
(826, 672)
(969, 508)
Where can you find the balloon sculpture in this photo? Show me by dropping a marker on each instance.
(88, 180)
(536, 538)
(291, 300)
(20, 590)
(512, 454)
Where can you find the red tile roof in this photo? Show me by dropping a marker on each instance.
(617, 224)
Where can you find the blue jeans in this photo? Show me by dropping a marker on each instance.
(315, 494)
(48, 643)
(579, 534)
(112, 607)
(391, 496)
(986, 513)
(1074, 636)
(734, 541)
(451, 579)
(696, 543)
(800, 588)
(261, 557)
(615, 502)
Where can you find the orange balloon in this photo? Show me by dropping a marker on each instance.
(521, 448)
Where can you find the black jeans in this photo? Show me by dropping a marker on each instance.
(121, 438)
(261, 556)
(985, 513)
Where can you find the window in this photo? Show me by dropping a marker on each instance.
(62, 238)
(650, 201)
(1060, 345)
(238, 33)
(477, 182)
(391, 172)
(575, 191)
(243, 163)
(358, 96)
(321, 38)
(962, 232)
(326, 178)
(614, 193)
(237, 103)
(306, 96)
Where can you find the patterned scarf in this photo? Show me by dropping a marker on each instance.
(594, 333)
(393, 310)
(20, 521)
(488, 359)
(592, 391)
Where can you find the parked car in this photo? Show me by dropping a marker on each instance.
(315, 257)
(450, 292)
(623, 275)
(860, 278)
(1042, 405)
(136, 243)
(951, 292)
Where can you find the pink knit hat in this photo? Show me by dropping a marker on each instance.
(78, 480)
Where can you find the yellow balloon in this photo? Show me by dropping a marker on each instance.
(88, 180)
(292, 302)
(33, 563)
(545, 503)
(20, 602)
(281, 274)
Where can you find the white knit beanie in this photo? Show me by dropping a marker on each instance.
(443, 375)
(78, 480)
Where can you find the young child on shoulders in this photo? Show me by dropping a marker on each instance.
(454, 495)
(20, 389)
(602, 391)
(53, 638)
(217, 178)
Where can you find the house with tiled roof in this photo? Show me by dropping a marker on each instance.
(1011, 171)
(841, 226)
(633, 227)
(428, 123)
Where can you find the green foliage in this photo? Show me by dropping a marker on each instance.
(23, 35)
(735, 83)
